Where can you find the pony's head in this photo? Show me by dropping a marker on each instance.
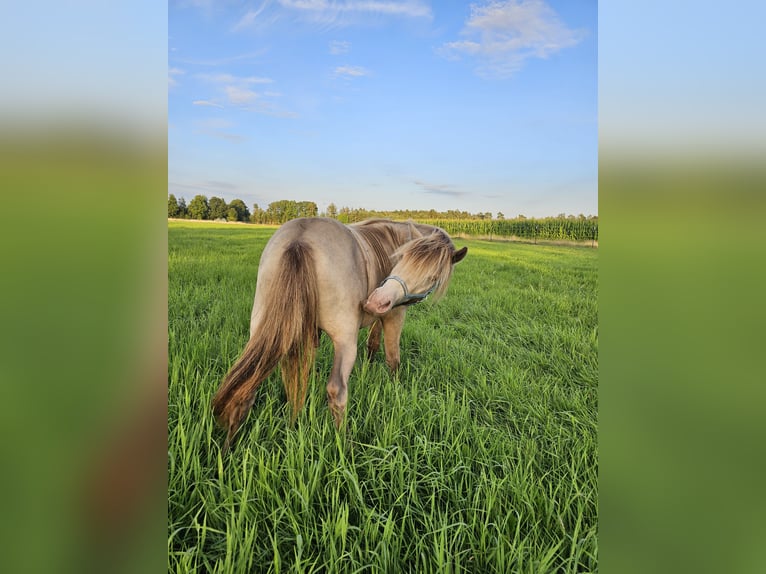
(423, 267)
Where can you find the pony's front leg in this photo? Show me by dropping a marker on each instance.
(392, 332)
(337, 386)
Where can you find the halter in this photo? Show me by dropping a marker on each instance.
(409, 298)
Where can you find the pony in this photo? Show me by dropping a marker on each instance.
(319, 275)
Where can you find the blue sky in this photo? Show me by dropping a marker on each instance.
(386, 104)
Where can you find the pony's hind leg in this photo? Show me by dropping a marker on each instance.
(337, 386)
(373, 339)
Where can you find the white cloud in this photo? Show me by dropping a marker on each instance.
(236, 92)
(269, 109)
(238, 95)
(503, 35)
(236, 88)
(410, 9)
(172, 73)
(233, 138)
(247, 20)
(250, 101)
(216, 128)
(200, 3)
(305, 4)
(216, 62)
(331, 11)
(351, 71)
(338, 47)
(230, 79)
(206, 103)
(214, 123)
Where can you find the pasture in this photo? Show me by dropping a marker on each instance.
(480, 456)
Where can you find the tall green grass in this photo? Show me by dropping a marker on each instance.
(480, 456)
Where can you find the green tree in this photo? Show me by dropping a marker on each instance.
(232, 214)
(258, 215)
(500, 215)
(198, 207)
(307, 209)
(218, 208)
(332, 211)
(173, 208)
(281, 211)
(183, 211)
(243, 214)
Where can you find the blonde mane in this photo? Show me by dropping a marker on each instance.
(384, 237)
(428, 256)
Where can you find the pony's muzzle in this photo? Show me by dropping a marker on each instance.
(377, 305)
(380, 301)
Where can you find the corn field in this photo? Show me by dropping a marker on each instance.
(533, 229)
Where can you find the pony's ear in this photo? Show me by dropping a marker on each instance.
(414, 231)
(458, 255)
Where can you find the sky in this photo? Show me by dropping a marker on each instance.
(385, 105)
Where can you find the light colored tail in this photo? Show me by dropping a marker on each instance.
(286, 333)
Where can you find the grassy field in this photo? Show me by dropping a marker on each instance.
(481, 456)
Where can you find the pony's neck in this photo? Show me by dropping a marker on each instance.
(378, 240)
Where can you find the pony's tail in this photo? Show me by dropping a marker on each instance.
(286, 333)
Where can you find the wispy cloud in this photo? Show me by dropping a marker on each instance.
(209, 186)
(203, 4)
(218, 128)
(233, 138)
(334, 12)
(249, 18)
(236, 88)
(238, 95)
(217, 62)
(270, 109)
(231, 79)
(172, 73)
(214, 123)
(351, 71)
(338, 47)
(206, 103)
(236, 92)
(440, 189)
(501, 36)
(326, 12)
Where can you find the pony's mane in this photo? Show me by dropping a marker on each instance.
(383, 239)
(431, 256)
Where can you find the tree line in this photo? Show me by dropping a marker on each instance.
(213, 209)
(279, 212)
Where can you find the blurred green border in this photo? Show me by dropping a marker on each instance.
(681, 395)
(83, 305)
(83, 316)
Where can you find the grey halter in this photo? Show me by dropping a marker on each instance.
(409, 298)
